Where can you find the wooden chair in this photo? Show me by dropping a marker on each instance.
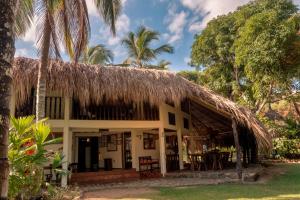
(147, 166)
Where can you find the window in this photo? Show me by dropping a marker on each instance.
(112, 142)
(172, 119)
(149, 140)
(186, 123)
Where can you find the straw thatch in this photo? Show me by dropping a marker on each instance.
(92, 83)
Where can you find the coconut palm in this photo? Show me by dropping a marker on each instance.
(161, 65)
(10, 27)
(139, 46)
(98, 54)
(65, 22)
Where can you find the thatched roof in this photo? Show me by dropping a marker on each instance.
(91, 83)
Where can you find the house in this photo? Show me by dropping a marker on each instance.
(111, 117)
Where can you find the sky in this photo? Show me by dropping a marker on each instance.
(177, 21)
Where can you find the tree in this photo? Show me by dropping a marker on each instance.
(66, 22)
(193, 76)
(139, 49)
(7, 51)
(252, 54)
(161, 65)
(98, 54)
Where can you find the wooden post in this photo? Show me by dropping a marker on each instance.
(238, 149)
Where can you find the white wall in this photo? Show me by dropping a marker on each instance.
(138, 147)
(116, 156)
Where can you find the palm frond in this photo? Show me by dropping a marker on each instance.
(166, 48)
(139, 46)
(24, 16)
(98, 54)
(109, 10)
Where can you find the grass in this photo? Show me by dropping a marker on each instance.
(281, 187)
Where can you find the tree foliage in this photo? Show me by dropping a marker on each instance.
(98, 54)
(138, 44)
(252, 55)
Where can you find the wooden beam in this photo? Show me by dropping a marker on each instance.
(238, 149)
(210, 106)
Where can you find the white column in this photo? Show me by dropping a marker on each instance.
(134, 149)
(67, 140)
(180, 153)
(162, 151)
(179, 128)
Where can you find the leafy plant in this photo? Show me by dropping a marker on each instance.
(27, 156)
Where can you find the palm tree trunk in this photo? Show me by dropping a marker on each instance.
(7, 51)
(42, 74)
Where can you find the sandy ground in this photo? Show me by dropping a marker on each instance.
(119, 194)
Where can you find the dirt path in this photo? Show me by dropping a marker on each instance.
(119, 194)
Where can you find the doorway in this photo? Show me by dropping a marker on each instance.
(88, 151)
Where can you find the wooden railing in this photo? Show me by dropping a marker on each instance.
(116, 111)
(172, 161)
(54, 108)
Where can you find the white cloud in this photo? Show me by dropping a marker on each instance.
(210, 9)
(22, 52)
(176, 22)
(187, 60)
(30, 34)
(122, 27)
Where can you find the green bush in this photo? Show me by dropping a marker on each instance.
(287, 148)
(27, 156)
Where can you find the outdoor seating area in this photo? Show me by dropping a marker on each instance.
(212, 160)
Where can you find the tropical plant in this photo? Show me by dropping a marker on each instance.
(139, 47)
(7, 51)
(27, 156)
(98, 54)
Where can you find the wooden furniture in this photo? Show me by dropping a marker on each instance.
(73, 167)
(172, 161)
(147, 166)
(198, 162)
(49, 176)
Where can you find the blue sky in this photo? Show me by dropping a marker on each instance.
(177, 21)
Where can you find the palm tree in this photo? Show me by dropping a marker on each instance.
(10, 21)
(98, 54)
(139, 46)
(161, 65)
(8, 24)
(66, 22)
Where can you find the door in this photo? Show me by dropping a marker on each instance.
(88, 154)
(127, 150)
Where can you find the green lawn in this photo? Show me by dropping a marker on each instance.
(282, 187)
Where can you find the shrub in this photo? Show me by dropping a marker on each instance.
(287, 148)
(27, 156)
